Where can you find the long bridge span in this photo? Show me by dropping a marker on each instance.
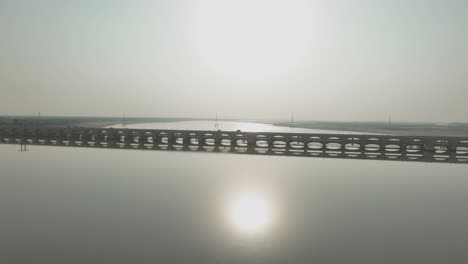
(350, 146)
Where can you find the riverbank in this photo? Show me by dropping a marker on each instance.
(402, 129)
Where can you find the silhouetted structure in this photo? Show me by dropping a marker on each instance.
(376, 147)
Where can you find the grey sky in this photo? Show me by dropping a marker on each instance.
(322, 60)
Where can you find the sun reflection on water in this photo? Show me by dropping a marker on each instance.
(253, 127)
(250, 213)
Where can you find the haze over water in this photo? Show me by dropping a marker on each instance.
(228, 126)
(125, 206)
(343, 61)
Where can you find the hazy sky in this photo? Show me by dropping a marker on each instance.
(321, 60)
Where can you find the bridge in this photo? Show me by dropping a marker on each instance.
(349, 146)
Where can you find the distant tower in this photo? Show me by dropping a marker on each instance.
(216, 125)
(292, 118)
(38, 118)
(389, 121)
(124, 122)
(23, 141)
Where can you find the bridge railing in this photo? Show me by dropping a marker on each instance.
(378, 147)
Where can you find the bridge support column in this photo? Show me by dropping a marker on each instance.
(251, 143)
(23, 145)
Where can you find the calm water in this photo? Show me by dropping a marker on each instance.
(69, 205)
(229, 126)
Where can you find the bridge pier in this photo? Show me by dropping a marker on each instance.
(23, 144)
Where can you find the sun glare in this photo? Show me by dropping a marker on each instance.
(252, 38)
(250, 214)
(253, 127)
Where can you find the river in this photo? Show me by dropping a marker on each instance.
(229, 126)
(67, 205)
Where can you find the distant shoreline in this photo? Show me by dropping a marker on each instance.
(403, 129)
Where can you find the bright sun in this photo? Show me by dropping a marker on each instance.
(248, 38)
(250, 214)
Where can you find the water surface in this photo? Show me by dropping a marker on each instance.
(67, 205)
(229, 126)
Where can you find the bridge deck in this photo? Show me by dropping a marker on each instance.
(351, 146)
